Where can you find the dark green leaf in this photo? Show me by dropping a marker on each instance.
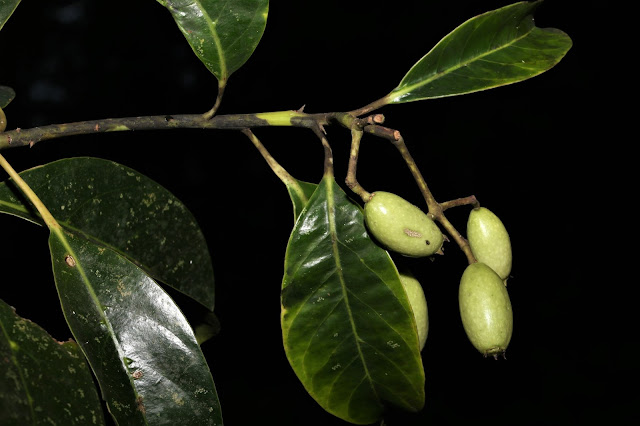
(6, 95)
(141, 348)
(6, 10)
(119, 208)
(493, 49)
(300, 193)
(223, 34)
(348, 329)
(43, 381)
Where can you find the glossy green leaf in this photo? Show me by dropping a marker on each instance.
(43, 381)
(141, 348)
(348, 328)
(7, 7)
(300, 193)
(493, 49)
(119, 208)
(223, 34)
(6, 95)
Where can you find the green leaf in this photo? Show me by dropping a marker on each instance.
(300, 193)
(493, 49)
(139, 345)
(223, 34)
(6, 95)
(348, 328)
(43, 381)
(119, 208)
(7, 7)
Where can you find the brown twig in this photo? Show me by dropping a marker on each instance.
(436, 210)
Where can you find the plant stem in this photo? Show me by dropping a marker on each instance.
(49, 220)
(470, 200)
(279, 171)
(222, 84)
(351, 181)
(328, 153)
(24, 137)
(370, 107)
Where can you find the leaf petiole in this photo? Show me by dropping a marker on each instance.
(48, 218)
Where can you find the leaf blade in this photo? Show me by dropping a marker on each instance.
(126, 211)
(7, 7)
(7, 94)
(348, 330)
(223, 35)
(300, 192)
(494, 49)
(139, 345)
(35, 367)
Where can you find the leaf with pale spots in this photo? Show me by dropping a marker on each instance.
(140, 346)
(33, 367)
(117, 207)
(348, 329)
(499, 47)
(222, 34)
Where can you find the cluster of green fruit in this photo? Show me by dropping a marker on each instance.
(485, 307)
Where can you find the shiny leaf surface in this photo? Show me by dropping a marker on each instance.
(223, 34)
(7, 7)
(6, 96)
(141, 348)
(33, 368)
(347, 326)
(493, 49)
(300, 193)
(119, 208)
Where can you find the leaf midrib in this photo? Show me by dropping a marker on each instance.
(96, 303)
(331, 211)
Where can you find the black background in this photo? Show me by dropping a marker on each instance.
(522, 150)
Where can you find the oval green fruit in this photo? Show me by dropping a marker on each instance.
(489, 241)
(485, 309)
(400, 226)
(418, 302)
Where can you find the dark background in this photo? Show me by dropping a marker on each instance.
(522, 150)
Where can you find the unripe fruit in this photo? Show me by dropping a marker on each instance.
(485, 309)
(400, 226)
(418, 302)
(489, 241)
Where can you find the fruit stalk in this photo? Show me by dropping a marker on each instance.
(435, 209)
(351, 181)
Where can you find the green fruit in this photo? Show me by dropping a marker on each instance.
(485, 309)
(489, 241)
(418, 304)
(400, 226)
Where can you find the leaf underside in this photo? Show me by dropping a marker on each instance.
(348, 329)
(117, 207)
(222, 34)
(139, 345)
(494, 49)
(33, 368)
